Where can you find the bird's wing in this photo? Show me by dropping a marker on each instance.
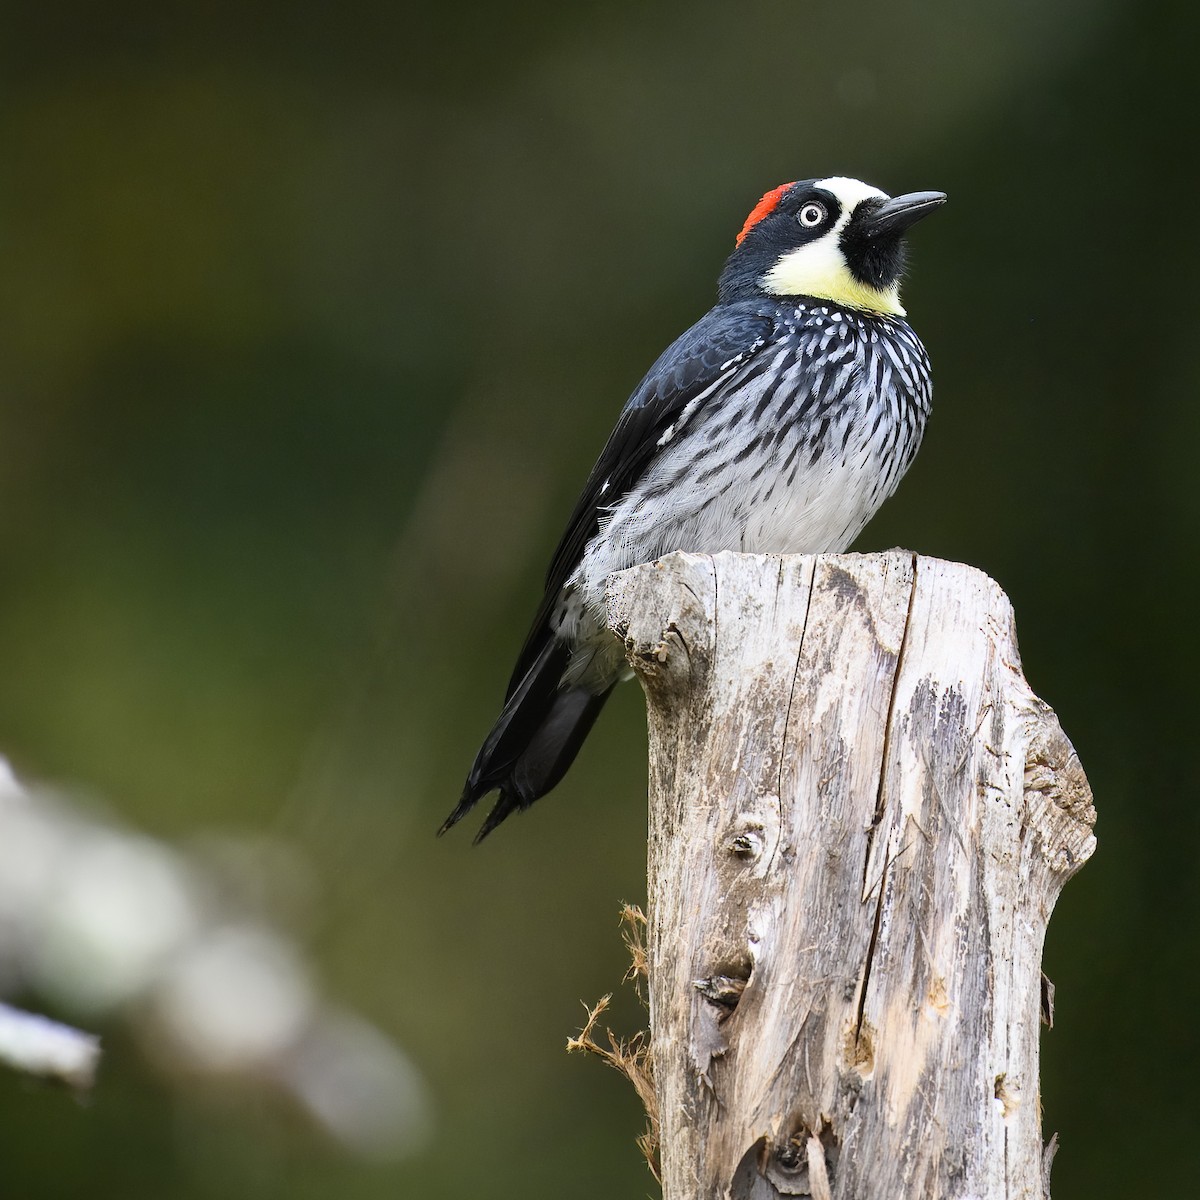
(687, 374)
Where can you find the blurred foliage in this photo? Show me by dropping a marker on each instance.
(311, 322)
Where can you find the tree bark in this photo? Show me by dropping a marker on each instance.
(860, 820)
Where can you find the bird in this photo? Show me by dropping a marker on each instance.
(778, 423)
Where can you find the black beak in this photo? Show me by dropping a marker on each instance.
(896, 215)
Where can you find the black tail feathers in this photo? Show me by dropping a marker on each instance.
(533, 742)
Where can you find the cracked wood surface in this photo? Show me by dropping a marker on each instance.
(860, 820)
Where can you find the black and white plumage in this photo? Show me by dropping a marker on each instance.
(778, 423)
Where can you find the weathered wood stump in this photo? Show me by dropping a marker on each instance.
(860, 820)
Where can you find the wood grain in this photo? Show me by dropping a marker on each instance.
(860, 820)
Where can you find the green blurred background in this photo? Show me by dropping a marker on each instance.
(312, 321)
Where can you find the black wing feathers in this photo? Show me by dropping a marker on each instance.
(716, 347)
(543, 723)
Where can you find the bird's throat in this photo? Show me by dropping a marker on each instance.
(820, 270)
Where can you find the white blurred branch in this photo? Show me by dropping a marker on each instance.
(109, 924)
(39, 1046)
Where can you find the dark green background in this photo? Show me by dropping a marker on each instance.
(312, 321)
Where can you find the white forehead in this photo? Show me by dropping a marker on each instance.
(850, 192)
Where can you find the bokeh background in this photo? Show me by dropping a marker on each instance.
(312, 320)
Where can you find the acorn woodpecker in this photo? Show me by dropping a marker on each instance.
(778, 423)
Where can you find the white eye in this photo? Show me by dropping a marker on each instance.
(811, 214)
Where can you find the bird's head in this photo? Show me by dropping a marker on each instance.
(836, 239)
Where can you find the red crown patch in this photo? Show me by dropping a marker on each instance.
(764, 208)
